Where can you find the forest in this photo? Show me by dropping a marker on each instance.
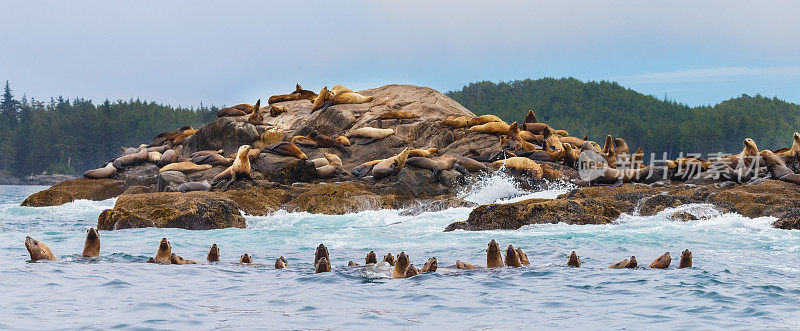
(596, 109)
(66, 136)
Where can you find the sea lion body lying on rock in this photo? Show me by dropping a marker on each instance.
(38, 250)
(276, 110)
(185, 167)
(483, 119)
(285, 148)
(318, 140)
(153, 157)
(364, 169)
(194, 186)
(212, 159)
(397, 115)
(778, 169)
(173, 138)
(169, 156)
(256, 117)
(130, 160)
(230, 112)
(470, 164)
(456, 122)
(390, 166)
(422, 152)
(331, 169)
(240, 168)
(91, 247)
(372, 134)
(495, 128)
(521, 163)
(104, 172)
(434, 165)
(298, 94)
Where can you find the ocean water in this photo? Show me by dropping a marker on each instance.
(746, 275)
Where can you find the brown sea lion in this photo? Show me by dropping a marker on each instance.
(350, 98)
(339, 90)
(464, 265)
(177, 259)
(213, 159)
(245, 259)
(164, 252)
(318, 140)
(574, 260)
(183, 135)
(352, 264)
(169, 156)
(280, 263)
(130, 160)
(621, 147)
(686, 259)
(522, 164)
(571, 155)
(321, 252)
(512, 257)
(422, 152)
(411, 271)
(298, 94)
(276, 110)
(483, 119)
(331, 169)
(430, 266)
(791, 156)
(206, 152)
(320, 161)
(626, 263)
(778, 169)
(530, 117)
(493, 257)
(434, 165)
(389, 258)
(104, 172)
(38, 250)
(470, 164)
(322, 265)
(397, 115)
(213, 254)
(371, 258)
(661, 262)
(285, 148)
(496, 128)
(170, 136)
(372, 134)
(91, 247)
(364, 169)
(537, 128)
(185, 167)
(390, 166)
(574, 141)
(256, 117)
(523, 258)
(456, 122)
(230, 112)
(401, 265)
(321, 98)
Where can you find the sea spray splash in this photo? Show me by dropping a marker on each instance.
(499, 187)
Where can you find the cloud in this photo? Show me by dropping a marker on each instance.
(714, 75)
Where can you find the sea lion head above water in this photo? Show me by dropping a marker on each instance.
(280, 263)
(430, 266)
(164, 252)
(401, 265)
(371, 258)
(389, 258)
(574, 260)
(321, 252)
(512, 257)
(213, 254)
(661, 262)
(411, 271)
(493, 258)
(322, 265)
(38, 250)
(246, 259)
(91, 248)
(686, 259)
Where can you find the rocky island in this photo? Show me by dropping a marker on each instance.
(413, 148)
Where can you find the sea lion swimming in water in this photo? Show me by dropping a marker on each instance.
(371, 258)
(523, 258)
(431, 266)
(322, 265)
(280, 263)
(390, 166)
(574, 261)
(321, 252)
(411, 271)
(389, 258)
(240, 168)
(493, 258)
(213, 254)
(285, 148)
(464, 265)
(401, 265)
(661, 262)
(245, 259)
(629, 263)
(686, 259)
(164, 253)
(298, 94)
(512, 257)
(38, 250)
(91, 247)
(177, 259)
(104, 172)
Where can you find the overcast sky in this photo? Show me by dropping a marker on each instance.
(228, 52)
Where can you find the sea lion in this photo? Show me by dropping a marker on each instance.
(470, 164)
(183, 135)
(430, 266)
(401, 265)
(397, 115)
(422, 152)
(372, 134)
(247, 108)
(791, 156)
(320, 161)
(778, 169)
(104, 172)
(280, 263)
(206, 152)
(256, 117)
(276, 110)
(177, 259)
(626, 263)
(523, 258)
(411, 271)
(194, 186)
(169, 156)
(213, 254)
(562, 133)
(537, 128)
(298, 94)
(530, 117)
(574, 260)
(168, 137)
(91, 247)
(212, 159)
(390, 166)
(686, 259)
(38, 250)
(464, 265)
(164, 252)
(455, 122)
(240, 168)
(285, 148)
(371, 258)
(364, 169)
(245, 259)
(339, 90)
(185, 167)
(321, 252)
(571, 156)
(347, 98)
(130, 160)
(495, 128)
(521, 163)
(661, 262)
(318, 140)
(574, 141)
(745, 158)
(321, 98)
(230, 112)
(322, 265)
(620, 147)
(434, 165)
(352, 264)
(512, 257)
(153, 157)
(493, 258)
(389, 258)
(331, 169)
(483, 119)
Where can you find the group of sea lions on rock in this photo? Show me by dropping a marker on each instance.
(400, 267)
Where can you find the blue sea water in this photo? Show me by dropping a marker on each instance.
(746, 275)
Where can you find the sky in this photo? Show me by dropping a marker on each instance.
(229, 52)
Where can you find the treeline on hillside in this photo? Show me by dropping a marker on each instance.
(596, 109)
(70, 136)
